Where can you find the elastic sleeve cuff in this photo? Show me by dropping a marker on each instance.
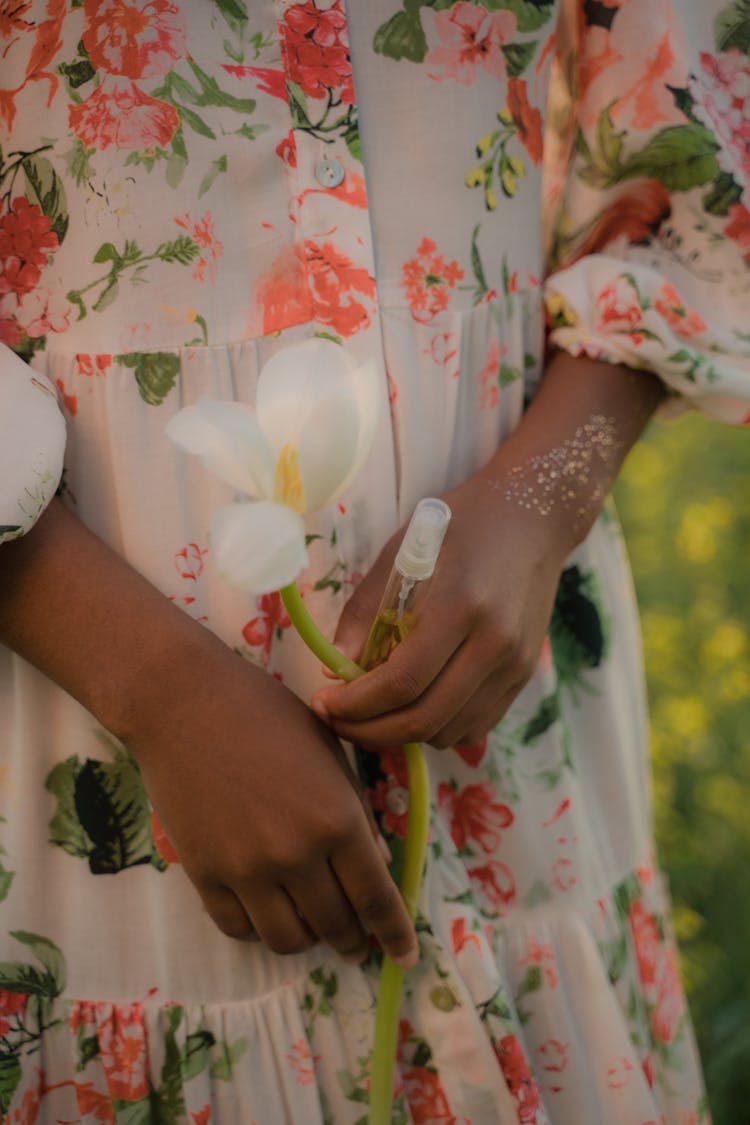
(626, 312)
(32, 445)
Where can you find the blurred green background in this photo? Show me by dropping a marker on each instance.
(683, 501)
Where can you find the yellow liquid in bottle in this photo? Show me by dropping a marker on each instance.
(388, 630)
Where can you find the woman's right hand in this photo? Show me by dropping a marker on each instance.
(257, 797)
(253, 790)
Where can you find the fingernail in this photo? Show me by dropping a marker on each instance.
(385, 851)
(406, 960)
(320, 709)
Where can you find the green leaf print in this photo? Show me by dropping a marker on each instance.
(723, 193)
(65, 828)
(10, 1076)
(155, 373)
(48, 954)
(546, 714)
(732, 27)
(217, 167)
(44, 186)
(578, 632)
(518, 56)
(680, 156)
(103, 813)
(232, 10)
(113, 809)
(195, 1057)
(221, 1068)
(402, 37)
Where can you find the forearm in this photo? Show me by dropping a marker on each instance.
(565, 455)
(84, 617)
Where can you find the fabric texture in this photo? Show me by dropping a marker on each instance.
(187, 187)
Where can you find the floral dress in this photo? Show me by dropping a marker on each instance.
(185, 187)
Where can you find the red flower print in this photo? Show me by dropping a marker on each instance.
(121, 1036)
(29, 45)
(26, 235)
(316, 50)
(70, 402)
(271, 620)
(118, 113)
(314, 280)
(495, 886)
(202, 233)
(526, 118)
(552, 1056)
(426, 1097)
(619, 1073)
(648, 942)
(17, 277)
(37, 313)
(472, 755)
(522, 1087)
(474, 815)
(721, 93)
(618, 309)
(738, 228)
(670, 1002)
(470, 39)
(93, 364)
(11, 1004)
(427, 280)
(544, 956)
(303, 1062)
(162, 843)
(189, 561)
(636, 213)
(134, 38)
(685, 321)
(268, 80)
(460, 938)
(202, 1117)
(286, 150)
(390, 798)
(94, 1103)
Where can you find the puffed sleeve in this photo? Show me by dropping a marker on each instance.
(32, 443)
(648, 172)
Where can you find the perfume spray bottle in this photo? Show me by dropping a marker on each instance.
(408, 581)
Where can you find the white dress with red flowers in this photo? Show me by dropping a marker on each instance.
(187, 187)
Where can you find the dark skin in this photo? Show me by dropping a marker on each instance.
(252, 788)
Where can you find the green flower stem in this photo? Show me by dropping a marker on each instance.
(415, 850)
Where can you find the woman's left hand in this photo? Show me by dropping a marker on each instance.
(479, 633)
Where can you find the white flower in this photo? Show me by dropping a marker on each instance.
(310, 432)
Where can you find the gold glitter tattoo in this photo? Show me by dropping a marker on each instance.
(560, 476)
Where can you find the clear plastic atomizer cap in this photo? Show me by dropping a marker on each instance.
(421, 544)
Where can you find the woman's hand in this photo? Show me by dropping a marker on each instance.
(253, 790)
(486, 613)
(479, 632)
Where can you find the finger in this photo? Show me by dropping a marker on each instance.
(375, 898)
(444, 702)
(277, 921)
(399, 682)
(328, 913)
(228, 913)
(482, 713)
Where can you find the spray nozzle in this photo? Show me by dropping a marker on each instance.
(422, 540)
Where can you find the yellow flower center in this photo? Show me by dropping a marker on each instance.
(287, 484)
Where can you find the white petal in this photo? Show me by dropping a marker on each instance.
(369, 397)
(230, 442)
(314, 395)
(295, 381)
(258, 546)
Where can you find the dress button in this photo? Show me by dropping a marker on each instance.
(329, 173)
